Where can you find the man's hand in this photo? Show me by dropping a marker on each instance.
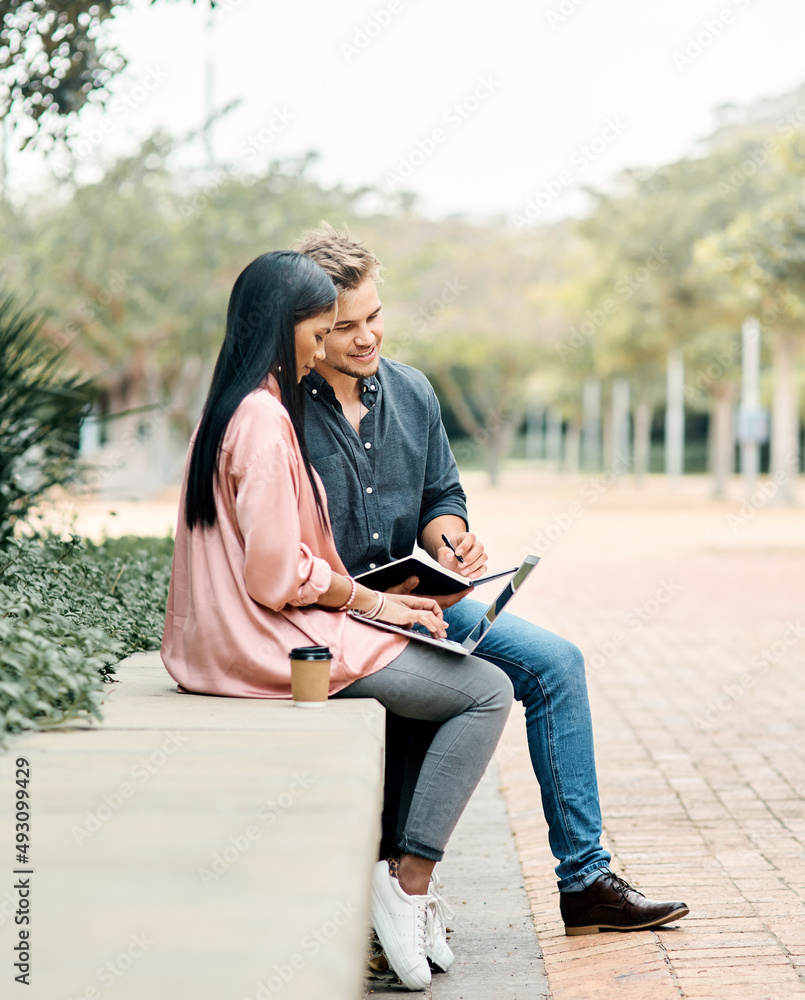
(443, 600)
(405, 587)
(470, 549)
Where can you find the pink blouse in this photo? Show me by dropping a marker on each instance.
(239, 591)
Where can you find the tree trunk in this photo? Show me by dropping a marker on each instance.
(495, 435)
(620, 426)
(535, 432)
(675, 419)
(642, 439)
(606, 437)
(496, 448)
(573, 446)
(553, 440)
(785, 418)
(721, 443)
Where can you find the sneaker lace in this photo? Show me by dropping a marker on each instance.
(421, 929)
(438, 909)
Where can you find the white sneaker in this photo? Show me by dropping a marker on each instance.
(400, 922)
(436, 946)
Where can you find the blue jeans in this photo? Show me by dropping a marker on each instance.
(547, 673)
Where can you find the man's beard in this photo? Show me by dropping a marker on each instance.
(347, 369)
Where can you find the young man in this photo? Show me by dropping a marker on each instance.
(375, 435)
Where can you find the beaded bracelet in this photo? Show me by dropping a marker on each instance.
(352, 594)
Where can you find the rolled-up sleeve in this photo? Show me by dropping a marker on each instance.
(442, 493)
(280, 569)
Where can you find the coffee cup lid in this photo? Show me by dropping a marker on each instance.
(311, 653)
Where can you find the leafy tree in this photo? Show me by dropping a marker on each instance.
(644, 234)
(473, 316)
(762, 255)
(41, 405)
(53, 60)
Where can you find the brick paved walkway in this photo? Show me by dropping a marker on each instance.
(690, 614)
(693, 626)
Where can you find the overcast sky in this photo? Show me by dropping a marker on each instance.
(478, 106)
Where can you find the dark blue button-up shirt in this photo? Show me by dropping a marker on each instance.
(385, 484)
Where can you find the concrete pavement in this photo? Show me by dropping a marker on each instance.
(212, 848)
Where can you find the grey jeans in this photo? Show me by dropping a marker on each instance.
(471, 699)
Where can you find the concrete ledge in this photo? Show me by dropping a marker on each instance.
(212, 848)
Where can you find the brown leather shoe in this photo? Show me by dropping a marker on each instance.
(610, 904)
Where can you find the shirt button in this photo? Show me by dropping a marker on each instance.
(375, 535)
(313, 392)
(368, 445)
(372, 565)
(368, 489)
(373, 387)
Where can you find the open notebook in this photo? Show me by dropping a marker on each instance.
(485, 623)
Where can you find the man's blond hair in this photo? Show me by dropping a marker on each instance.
(348, 262)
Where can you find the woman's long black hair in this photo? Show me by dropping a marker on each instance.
(271, 295)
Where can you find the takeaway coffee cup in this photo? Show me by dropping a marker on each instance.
(310, 675)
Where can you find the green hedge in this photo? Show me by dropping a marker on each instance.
(69, 611)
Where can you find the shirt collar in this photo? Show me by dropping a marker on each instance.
(318, 387)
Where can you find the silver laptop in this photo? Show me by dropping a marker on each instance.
(480, 630)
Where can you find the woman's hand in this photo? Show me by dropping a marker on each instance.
(443, 600)
(407, 610)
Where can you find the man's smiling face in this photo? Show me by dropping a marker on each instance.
(353, 346)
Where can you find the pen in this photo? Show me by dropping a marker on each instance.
(450, 546)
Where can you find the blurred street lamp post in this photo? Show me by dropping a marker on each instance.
(535, 431)
(753, 424)
(591, 425)
(675, 418)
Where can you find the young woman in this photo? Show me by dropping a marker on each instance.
(255, 574)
